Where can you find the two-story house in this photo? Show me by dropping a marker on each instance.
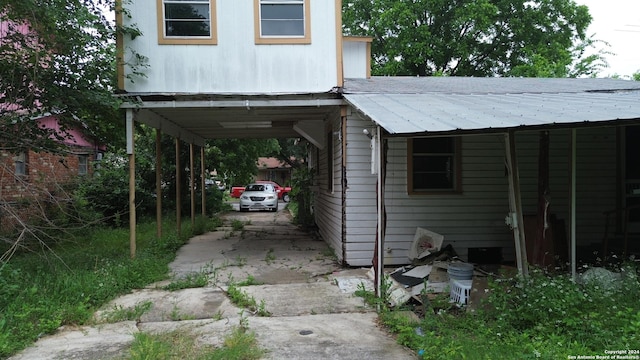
(462, 157)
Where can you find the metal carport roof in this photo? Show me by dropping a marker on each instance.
(409, 105)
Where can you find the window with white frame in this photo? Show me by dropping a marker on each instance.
(83, 164)
(434, 165)
(282, 21)
(186, 22)
(21, 164)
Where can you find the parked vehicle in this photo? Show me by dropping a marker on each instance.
(283, 192)
(259, 197)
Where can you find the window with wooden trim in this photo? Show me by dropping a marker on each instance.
(434, 165)
(21, 164)
(187, 22)
(83, 164)
(282, 22)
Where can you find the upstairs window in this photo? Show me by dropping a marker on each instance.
(434, 165)
(187, 22)
(282, 22)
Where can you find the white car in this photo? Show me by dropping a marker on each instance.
(259, 197)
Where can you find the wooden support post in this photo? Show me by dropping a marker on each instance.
(515, 217)
(381, 212)
(158, 183)
(132, 182)
(202, 184)
(192, 182)
(178, 188)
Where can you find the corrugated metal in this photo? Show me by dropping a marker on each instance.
(450, 104)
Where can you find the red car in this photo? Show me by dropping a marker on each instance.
(283, 192)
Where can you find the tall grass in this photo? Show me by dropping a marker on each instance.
(546, 316)
(47, 288)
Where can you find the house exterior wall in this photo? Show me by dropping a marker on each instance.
(236, 64)
(44, 172)
(356, 54)
(328, 199)
(475, 217)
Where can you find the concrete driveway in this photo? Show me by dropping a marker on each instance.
(314, 313)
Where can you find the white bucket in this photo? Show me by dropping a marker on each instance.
(460, 271)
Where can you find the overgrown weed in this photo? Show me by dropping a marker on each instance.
(545, 316)
(67, 283)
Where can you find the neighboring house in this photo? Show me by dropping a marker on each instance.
(274, 169)
(28, 173)
(460, 156)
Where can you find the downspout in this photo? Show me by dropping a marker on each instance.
(132, 182)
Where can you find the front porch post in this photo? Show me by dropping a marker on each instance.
(202, 185)
(515, 218)
(178, 185)
(573, 205)
(132, 182)
(158, 183)
(192, 181)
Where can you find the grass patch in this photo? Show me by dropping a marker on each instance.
(66, 283)
(240, 344)
(270, 257)
(237, 225)
(191, 280)
(119, 313)
(241, 299)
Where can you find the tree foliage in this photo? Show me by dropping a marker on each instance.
(544, 38)
(235, 159)
(56, 57)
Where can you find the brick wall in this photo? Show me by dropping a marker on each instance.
(43, 172)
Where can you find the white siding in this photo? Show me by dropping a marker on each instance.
(328, 204)
(236, 64)
(355, 59)
(475, 218)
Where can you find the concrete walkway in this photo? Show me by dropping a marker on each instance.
(314, 313)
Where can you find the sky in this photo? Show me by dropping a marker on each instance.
(618, 23)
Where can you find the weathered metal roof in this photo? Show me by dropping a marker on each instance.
(409, 105)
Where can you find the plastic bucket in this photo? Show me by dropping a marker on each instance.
(460, 271)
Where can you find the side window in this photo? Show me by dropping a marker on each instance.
(187, 22)
(21, 164)
(83, 164)
(282, 22)
(434, 165)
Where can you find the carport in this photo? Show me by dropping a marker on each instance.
(196, 118)
(432, 107)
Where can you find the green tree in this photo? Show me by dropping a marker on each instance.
(235, 159)
(475, 37)
(636, 76)
(56, 57)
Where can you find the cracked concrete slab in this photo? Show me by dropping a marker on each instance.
(297, 280)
